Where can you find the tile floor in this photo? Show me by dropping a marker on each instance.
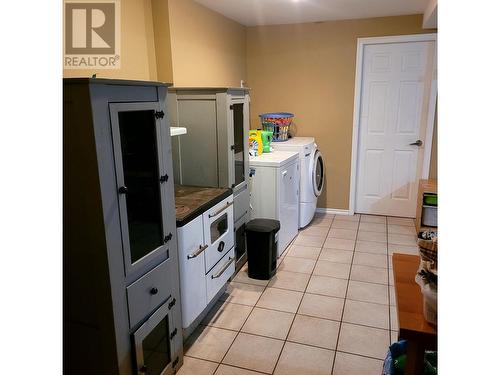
(329, 309)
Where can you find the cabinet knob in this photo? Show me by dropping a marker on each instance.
(153, 291)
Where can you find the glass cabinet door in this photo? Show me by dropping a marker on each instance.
(137, 144)
(239, 138)
(153, 343)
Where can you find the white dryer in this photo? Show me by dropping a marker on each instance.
(311, 174)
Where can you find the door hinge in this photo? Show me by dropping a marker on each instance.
(167, 238)
(159, 114)
(164, 178)
(172, 335)
(171, 304)
(175, 362)
(231, 107)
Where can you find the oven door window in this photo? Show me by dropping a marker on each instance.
(240, 138)
(218, 227)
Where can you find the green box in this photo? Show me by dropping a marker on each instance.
(430, 199)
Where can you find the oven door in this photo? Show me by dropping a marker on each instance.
(218, 226)
(155, 343)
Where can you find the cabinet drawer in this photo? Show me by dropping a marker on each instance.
(220, 274)
(147, 293)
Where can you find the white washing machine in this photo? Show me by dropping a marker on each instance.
(311, 174)
(274, 192)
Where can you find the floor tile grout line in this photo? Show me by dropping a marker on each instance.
(219, 363)
(298, 307)
(302, 314)
(345, 298)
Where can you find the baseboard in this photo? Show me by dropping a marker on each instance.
(332, 211)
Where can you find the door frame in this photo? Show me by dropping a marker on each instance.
(362, 42)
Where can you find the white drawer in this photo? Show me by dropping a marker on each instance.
(220, 274)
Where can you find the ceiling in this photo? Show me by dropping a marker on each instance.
(275, 12)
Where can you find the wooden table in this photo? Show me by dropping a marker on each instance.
(413, 327)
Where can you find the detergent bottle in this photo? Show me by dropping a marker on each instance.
(267, 137)
(255, 144)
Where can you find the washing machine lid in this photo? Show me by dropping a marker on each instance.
(303, 145)
(295, 141)
(273, 159)
(318, 173)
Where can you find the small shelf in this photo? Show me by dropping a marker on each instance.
(177, 130)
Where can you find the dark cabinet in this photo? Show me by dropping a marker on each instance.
(121, 281)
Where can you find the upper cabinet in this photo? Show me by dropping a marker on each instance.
(214, 152)
(143, 170)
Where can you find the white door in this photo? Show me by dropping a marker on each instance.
(395, 90)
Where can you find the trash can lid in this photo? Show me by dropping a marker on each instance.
(263, 225)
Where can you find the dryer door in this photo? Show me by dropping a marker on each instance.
(317, 173)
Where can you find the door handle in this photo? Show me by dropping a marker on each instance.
(197, 252)
(417, 143)
(221, 210)
(224, 267)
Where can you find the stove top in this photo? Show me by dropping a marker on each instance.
(191, 201)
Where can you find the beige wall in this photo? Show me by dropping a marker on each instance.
(309, 70)
(138, 60)
(208, 49)
(163, 50)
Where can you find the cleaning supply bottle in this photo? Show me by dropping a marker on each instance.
(255, 142)
(267, 137)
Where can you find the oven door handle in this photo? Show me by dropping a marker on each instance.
(224, 267)
(197, 252)
(221, 210)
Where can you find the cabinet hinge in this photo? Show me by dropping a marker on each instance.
(159, 114)
(175, 361)
(172, 335)
(231, 107)
(167, 238)
(232, 147)
(171, 304)
(164, 178)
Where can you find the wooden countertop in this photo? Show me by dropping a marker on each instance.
(191, 201)
(412, 323)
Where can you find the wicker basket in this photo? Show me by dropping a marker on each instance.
(278, 123)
